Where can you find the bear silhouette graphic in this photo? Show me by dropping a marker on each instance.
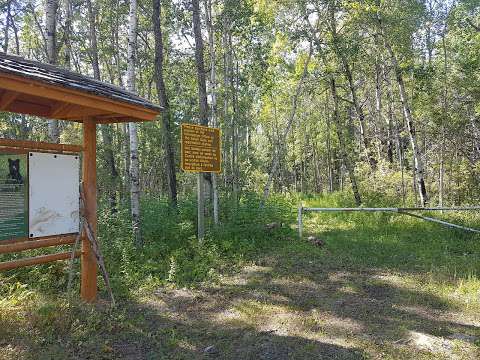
(14, 176)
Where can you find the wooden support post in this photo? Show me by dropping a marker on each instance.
(89, 263)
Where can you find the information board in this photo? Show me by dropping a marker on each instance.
(13, 196)
(201, 149)
(54, 206)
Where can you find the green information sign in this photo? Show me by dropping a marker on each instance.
(13, 196)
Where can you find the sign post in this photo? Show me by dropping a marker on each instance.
(201, 153)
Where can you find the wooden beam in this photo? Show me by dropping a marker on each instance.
(89, 263)
(29, 108)
(34, 145)
(14, 264)
(7, 98)
(65, 111)
(37, 244)
(35, 88)
(107, 116)
(9, 150)
(115, 120)
(78, 113)
(58, 109)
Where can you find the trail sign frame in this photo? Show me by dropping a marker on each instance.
(201, 149)
(46, 91)
(39, 192)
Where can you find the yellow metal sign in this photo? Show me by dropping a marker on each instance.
(201, 149)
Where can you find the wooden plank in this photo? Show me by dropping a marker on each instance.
(89, 264)
(115, 120)
(80, 112)
(7, 98)
(107, 116)
(14, 264)
(37, 244)
(16, 240)
(11, 150)
(58, 109)
(34, 145)
(35, 88)
(66, 110)
(29, 108)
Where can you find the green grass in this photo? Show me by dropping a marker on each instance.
(383, 275)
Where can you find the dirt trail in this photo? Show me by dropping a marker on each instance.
(292, 309)
(299, 302)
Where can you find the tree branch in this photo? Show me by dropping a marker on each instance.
(470, 22)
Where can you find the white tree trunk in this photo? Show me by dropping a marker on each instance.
(68, 33)
(417, 156)
(92, 31)
(203, 107)
(51, 7)
(6, 36)
(213, 90)
(133, 132)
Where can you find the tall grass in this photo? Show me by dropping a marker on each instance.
(172, 255)
(171, 252)
(442, 259)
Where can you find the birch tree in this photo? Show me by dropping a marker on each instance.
(163, 100)
(351, 85)
(407, 112)
(213, 95)
(339, 126)
(51, 7)
(203, 107)
(68, 32)
(133, 131)
(6, 31)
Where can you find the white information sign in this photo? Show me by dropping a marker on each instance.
(53, 194)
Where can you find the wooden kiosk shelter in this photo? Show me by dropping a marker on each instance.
(34, 88)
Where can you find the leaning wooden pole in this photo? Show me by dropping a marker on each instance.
(89, 263)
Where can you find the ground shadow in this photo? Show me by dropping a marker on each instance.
(147, 333)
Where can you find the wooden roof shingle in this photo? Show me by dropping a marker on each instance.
(58, 77)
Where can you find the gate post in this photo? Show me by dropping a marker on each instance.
(300, 221)
(88, 261)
